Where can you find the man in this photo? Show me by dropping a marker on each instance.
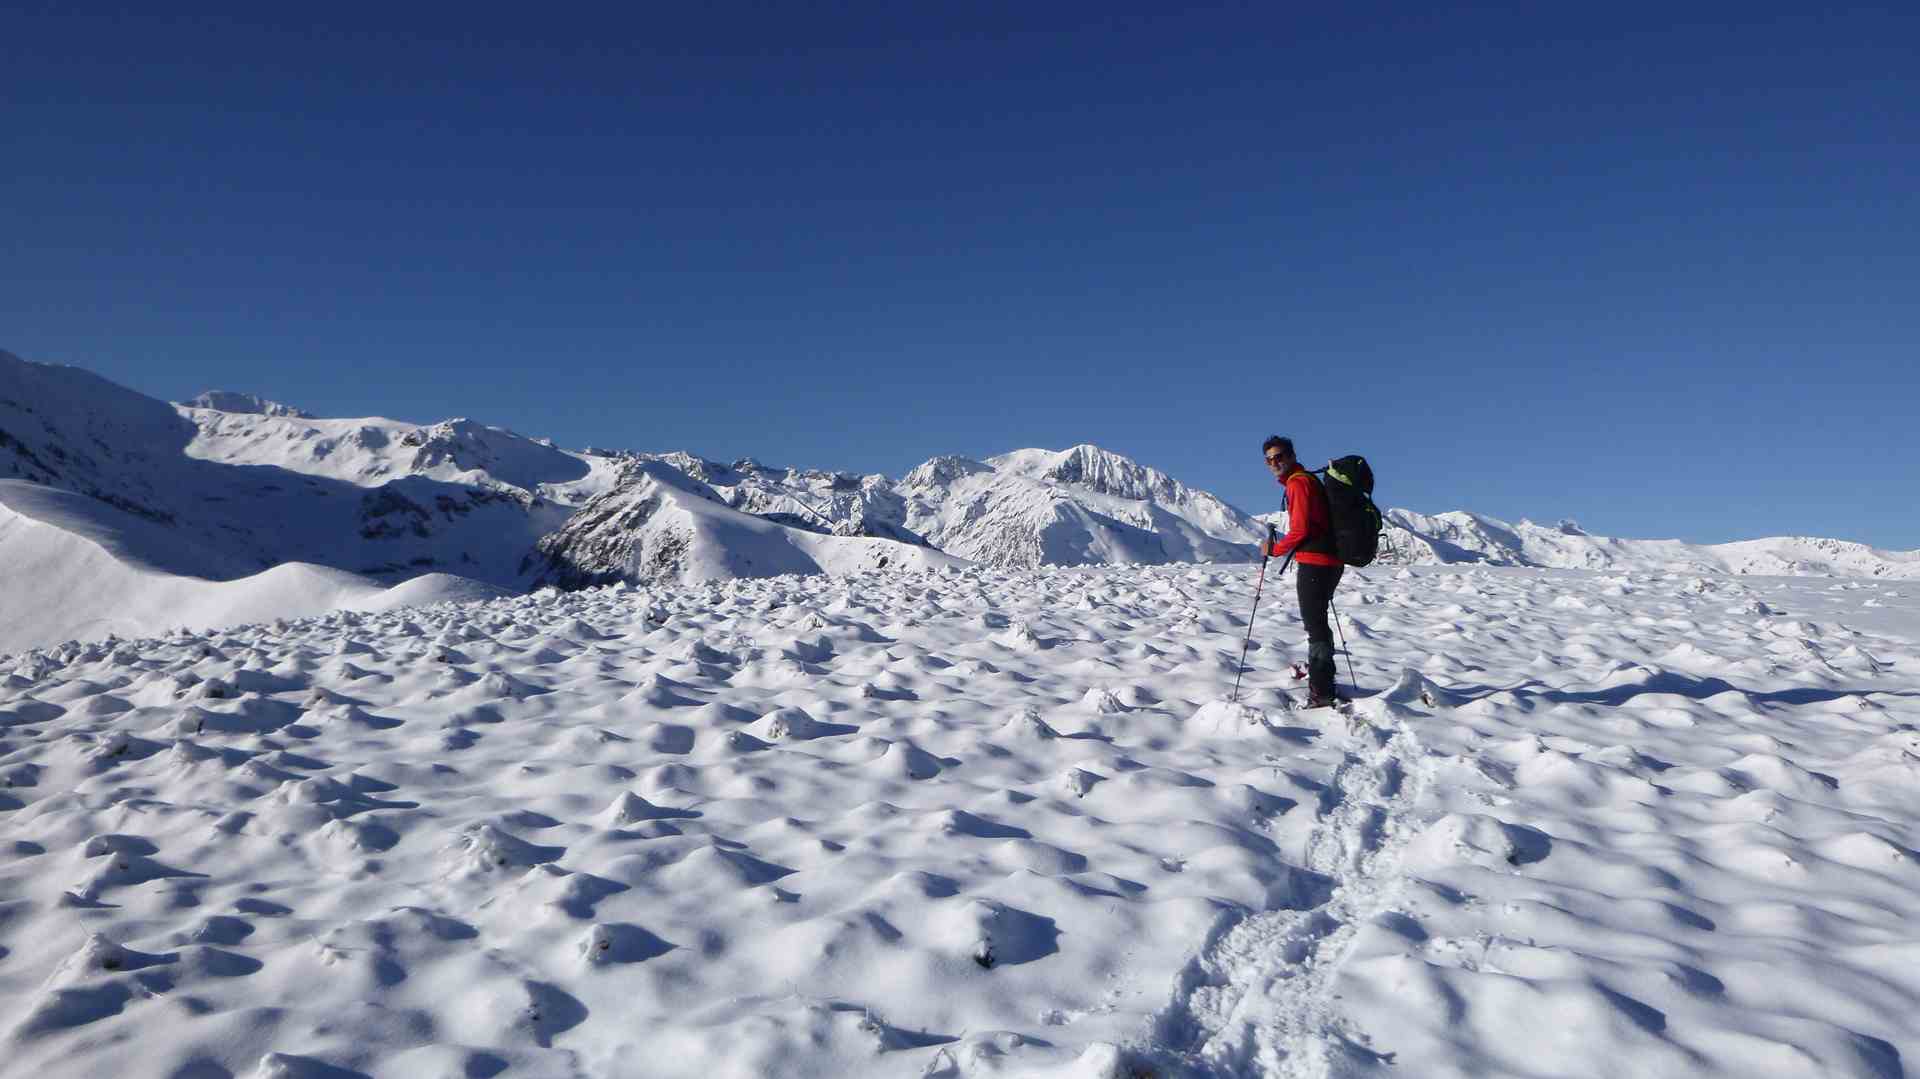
(1309, 540)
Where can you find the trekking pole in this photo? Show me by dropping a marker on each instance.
(1355, 682)
(1266, 555)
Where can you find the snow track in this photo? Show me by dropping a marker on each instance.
(1260, 998)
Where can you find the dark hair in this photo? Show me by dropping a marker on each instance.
(1274, 442)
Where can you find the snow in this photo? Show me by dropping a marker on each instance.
(660, 524)
(183, 511)
(120, 514)
(233, 489)
(968, 821)
(844, 776)
(370, 450)
(1080, 506)
(1472, 537)
(1032, 507)
(229, 401)
(78, 569)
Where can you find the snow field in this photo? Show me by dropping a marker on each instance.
(70, 579)
(1675, 841)
(971, 823)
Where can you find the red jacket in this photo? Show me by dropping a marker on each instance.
(1308, 519)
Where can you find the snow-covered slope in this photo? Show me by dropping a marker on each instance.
(231, 514)
(974, 824)
(1473, 537)
(373, 450)
(77, 569)
(70, 429)
(115, 521)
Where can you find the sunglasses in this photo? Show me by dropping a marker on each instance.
(1273, 458)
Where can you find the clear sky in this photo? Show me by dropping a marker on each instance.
(1656, 268)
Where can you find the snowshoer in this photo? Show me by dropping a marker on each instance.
(1309, 542)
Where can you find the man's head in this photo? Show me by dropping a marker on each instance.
(1279, 454)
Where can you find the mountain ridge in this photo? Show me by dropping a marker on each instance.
(199, 491)
(179, 496)
(1459, 536)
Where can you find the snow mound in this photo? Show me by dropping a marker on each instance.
(1228, 718)
(429, 588)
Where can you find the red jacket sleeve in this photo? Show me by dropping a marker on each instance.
(1299, 514)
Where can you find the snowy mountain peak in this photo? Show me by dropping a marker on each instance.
(1071, 507)
(245, 404)
(942, 470)
(1090, 467)
(461, 446)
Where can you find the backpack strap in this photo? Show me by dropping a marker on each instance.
(1324, 542)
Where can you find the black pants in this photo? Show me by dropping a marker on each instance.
(1316, 585)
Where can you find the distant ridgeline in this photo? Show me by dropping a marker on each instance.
(122, 514)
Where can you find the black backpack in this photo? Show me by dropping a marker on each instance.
(1357, 524)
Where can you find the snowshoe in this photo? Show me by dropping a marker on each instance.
(1336, 701)
(1357, 724)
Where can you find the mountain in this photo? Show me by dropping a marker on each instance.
(1078, 506)
(659, 523)
(228, 401)
(1472, 537)
(1460, 537)
(835, 503)
(74, 569)
(123, 514)
(1027, 508)
(374, 450)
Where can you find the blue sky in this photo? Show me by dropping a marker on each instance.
(1655, 268)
